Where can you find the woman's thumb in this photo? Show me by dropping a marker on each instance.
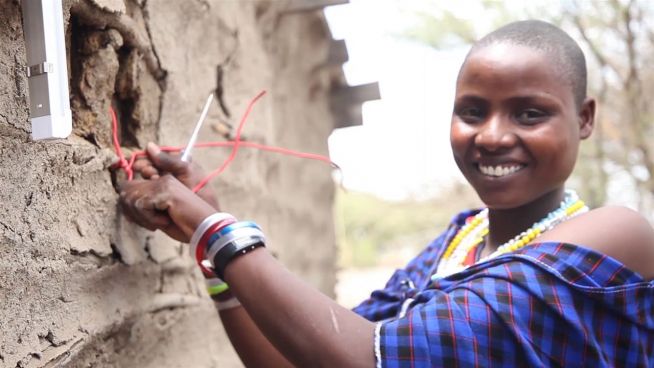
(163, 161)
(153, 149)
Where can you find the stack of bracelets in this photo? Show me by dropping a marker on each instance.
(217, 241)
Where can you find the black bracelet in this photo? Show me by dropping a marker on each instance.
(235, 249)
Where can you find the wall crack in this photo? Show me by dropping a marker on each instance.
(162, 72)
(128, 28)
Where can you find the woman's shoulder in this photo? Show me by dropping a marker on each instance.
(618, 232)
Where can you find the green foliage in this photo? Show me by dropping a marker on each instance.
(444, 30)
(372, 231)
(439, 26)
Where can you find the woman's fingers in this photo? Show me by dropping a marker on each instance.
(165, 161)
(158, 162)
(176, 233)
(149, 219)
(162, 203)
(140, 163)
(144, 167)
(155, 219)
(150, 173)
(143, 205)
(147, 203)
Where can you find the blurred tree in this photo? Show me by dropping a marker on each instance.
(618, 38)
(370, 229)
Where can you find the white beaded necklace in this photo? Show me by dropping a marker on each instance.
(472, 233)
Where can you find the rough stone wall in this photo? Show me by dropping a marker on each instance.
(81, 287)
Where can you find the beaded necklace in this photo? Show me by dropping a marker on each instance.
(472, 234)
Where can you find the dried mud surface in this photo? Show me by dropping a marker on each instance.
(80, 286)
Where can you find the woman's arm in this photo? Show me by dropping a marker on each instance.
(248, 341)
(307, 327)
(250, 344)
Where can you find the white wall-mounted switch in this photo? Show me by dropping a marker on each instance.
(43, 27)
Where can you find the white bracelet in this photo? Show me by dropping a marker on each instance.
(204, 225)
(230, 303)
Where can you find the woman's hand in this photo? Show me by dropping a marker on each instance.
(158, 163)
(164, 203)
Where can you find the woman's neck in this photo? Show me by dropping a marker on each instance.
(505, 224)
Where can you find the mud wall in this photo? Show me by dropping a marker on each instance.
(80, 286)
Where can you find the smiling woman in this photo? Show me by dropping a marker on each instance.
(516, 126)
(534, 279)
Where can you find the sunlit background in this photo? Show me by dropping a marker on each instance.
(402, 183)
(402, 149)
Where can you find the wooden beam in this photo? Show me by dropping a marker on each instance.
(337, 53)
(356, 94)
(344, 118)
(346, 103)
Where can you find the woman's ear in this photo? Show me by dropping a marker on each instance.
(586, 118)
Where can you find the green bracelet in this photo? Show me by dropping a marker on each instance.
(217, 289)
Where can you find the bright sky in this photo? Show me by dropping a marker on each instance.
(403, 148)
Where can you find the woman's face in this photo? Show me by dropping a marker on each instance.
(515, 127)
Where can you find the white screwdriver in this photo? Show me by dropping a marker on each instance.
(186, 154)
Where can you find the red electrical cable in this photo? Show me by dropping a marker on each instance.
(237, 141)
(235, 144)
(122, 163)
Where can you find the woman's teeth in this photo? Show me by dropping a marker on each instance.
(499, 170)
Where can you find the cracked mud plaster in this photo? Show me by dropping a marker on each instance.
(109, 60)
(81, 287)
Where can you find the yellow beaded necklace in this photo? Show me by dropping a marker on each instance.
(472, 234)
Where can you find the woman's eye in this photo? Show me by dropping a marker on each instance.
(531, 116)
(470, 113)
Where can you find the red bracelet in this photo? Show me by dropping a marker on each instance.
(202, 244)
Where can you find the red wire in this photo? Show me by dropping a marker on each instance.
(122, 163)
(235, 144)
(237, 141)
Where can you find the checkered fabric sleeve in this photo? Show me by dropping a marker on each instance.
(404, 283)
(547, 305)
(454, 328)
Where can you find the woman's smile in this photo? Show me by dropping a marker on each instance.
(500, 171)
(515, 127)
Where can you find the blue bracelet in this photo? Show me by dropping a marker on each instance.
(226, 230)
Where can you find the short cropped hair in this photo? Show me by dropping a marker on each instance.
(564, 51)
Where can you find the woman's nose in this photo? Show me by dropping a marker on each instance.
(495, 134)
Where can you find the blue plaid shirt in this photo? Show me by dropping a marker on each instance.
(549, 304)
